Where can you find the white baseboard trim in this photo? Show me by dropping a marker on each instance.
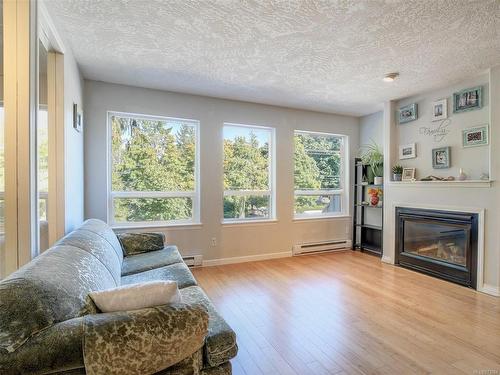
(248, 258)
(387, 259)
(490, 289)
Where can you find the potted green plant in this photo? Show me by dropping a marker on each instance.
(397, 172)
(372, 156)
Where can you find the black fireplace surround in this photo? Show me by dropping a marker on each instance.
(438, 243)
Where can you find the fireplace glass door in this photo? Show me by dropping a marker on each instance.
(439, 243)
(443, 242)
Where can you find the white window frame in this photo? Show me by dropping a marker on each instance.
(271, 192)
(194, 195)
(344, 181)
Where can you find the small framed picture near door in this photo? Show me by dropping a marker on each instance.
(441, 158)
(77, 118)
(440, 110)
(407, 151)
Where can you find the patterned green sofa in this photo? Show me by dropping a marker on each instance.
(48, 325)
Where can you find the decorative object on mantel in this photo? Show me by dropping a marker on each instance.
(461, 175)
(439, 133)
(441, 158)
(397, 172)
(408, 151)
(440, 110)
(375, 194)
(372, 156)
(408, 113)
(484, 177)
(364, 180)
(77, 118)
(468, 99)
(408, 174)
(437, 178)
(476, 136)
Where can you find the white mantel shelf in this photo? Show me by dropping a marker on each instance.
(441, 184)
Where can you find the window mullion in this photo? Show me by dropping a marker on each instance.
(244, 193)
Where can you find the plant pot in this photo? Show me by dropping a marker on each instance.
(369, 175)
(397, 177)
(378, 180)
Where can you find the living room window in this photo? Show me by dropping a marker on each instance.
(248, 173)
(154, 170)
(319, 174)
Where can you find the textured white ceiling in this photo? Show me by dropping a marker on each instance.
(320, 55)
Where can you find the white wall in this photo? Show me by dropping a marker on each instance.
(474, 160)
(232, 240)
(464, 197)
(73, 147)
(371, 129)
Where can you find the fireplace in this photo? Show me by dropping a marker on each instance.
(438, 243)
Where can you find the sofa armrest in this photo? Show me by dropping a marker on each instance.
(137, 243)
(143, 341)
(130, 341)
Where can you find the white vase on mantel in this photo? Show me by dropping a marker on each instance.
(378, 181)
(461, 175)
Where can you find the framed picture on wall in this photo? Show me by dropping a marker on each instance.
(476, 136)
(408, 174)
(441, 158)
(408, 113)
(407, 151)
(440, 110)
(468, 99)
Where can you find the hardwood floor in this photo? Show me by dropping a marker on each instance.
(348, 313)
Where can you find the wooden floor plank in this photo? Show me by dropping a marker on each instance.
(348, 313)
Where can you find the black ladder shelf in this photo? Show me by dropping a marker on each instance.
(366, 237)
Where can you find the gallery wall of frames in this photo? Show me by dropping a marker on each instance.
(444, 135)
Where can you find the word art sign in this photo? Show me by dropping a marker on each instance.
(439, 133)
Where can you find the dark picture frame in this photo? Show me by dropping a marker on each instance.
(77, 118)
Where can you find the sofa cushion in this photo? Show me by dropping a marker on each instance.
(148, 261)
(54, 350)
(104, 230)
(224, 369)
(178, 272)
(220, 343)
(97, 246)
(50, 289)
(137, 243)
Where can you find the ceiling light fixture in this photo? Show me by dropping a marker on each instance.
(391, 77)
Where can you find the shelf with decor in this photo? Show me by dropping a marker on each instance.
(367, 236)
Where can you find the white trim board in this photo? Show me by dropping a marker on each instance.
(490, 289)
(244, 259)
